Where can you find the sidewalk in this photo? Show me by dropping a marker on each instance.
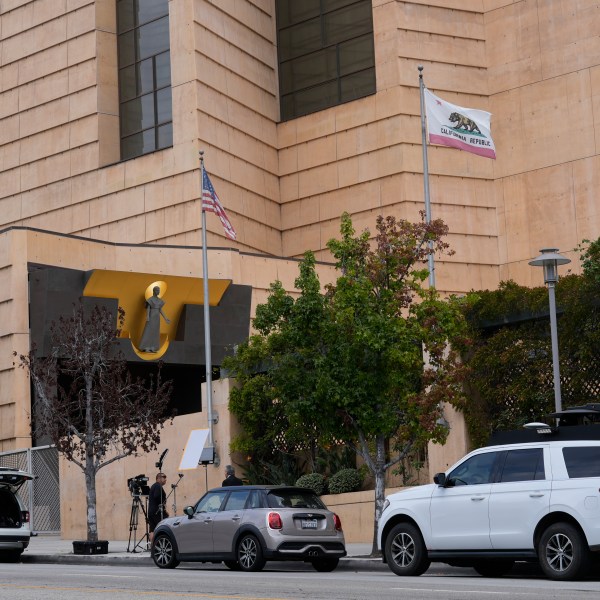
(53, 549)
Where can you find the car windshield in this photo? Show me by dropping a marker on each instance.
(294, 499)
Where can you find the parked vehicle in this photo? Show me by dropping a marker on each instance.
(533, 496)
(246, 526)
(14, 517)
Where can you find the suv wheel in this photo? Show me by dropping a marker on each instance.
(325, 565)
(249, 554)
(405, 551)
(494, 568)
(163, 552)
(563, 552)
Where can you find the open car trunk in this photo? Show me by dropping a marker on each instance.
(10, 511)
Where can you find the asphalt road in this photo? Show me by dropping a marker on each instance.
(277, 582)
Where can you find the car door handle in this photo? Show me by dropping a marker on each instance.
(536, 494)
(477, 498)
(208, 520)
(236, 518)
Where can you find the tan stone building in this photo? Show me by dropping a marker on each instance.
(304, 110)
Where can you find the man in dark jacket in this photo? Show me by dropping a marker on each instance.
(230, 478)
(157, 510)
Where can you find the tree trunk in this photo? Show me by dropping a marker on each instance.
(90, 467)
(90, 497)
(379, 473)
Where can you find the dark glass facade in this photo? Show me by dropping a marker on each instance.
(326, 53)
(146, 116)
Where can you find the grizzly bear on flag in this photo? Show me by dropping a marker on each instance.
(463, 122)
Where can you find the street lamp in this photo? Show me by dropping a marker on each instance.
(550, 259)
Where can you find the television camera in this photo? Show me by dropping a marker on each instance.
(138, 485)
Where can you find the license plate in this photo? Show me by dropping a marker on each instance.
(309, 523)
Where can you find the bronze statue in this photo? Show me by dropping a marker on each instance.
(150, 341)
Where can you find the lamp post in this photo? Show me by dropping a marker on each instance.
(550, 259)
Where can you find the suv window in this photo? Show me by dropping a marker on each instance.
(236, 500)
(474, 471)
(523, 465)
(582, 461)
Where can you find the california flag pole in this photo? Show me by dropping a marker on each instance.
(463, 128)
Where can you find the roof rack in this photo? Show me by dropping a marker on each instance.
(587, 414)
(545, 433)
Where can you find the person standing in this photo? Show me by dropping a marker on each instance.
(157, 498)
(230, 478)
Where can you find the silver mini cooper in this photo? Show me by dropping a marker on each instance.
(245, 526)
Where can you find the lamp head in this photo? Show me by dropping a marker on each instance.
(550, 259)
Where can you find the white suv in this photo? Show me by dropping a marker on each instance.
(14, 517)
(524, 500)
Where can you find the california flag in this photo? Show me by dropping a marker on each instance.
(463, 128)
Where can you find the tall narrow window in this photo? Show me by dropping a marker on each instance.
(326, 53)
(146, 117)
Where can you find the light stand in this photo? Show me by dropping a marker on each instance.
(550, 259)
(159, 466)
(174, 492)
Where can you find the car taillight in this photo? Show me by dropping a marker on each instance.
(274, 521)
(25, 516)
(337, 522)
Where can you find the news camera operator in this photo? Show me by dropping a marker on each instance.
(157, 510)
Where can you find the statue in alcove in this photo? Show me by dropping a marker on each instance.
(150, 341)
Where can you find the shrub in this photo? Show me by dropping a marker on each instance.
(312, 481)
(346, 480)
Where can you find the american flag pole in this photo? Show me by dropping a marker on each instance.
(207, 341)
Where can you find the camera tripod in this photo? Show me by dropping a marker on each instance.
(136, 505)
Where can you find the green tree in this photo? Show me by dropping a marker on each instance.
(590, 259)
(511, 379)
(272, 366)
(347, 365)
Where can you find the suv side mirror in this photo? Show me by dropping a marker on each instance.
(440, 479)
(189, 511)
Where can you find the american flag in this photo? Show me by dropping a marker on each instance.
(211, 203)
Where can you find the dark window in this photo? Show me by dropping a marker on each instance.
(144, 76)
(236, 500)
(476, 470)
(10, 516)
(523, 465)
(583, 461)
(255, 500)
(326, 53)
(293, 499)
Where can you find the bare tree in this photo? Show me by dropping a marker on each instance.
(87, 402)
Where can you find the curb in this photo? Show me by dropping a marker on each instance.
(346, 563)
(98, 559)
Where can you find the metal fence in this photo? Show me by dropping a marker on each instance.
(42, 494)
